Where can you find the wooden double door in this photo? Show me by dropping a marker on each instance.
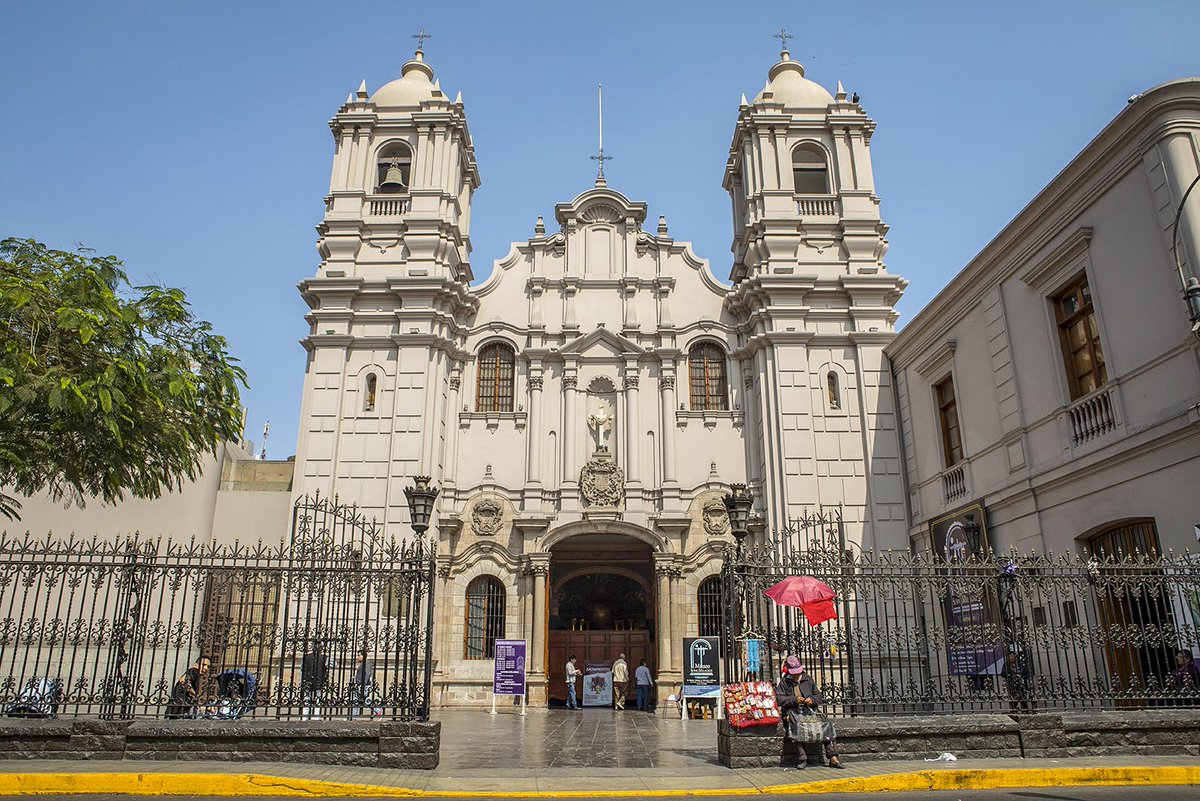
(594, 645)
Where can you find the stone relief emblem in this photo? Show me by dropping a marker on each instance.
(602, 483)
(716, 519)
(486, 516)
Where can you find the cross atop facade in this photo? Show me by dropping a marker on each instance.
(600, 157)
(421, 36)
(783, 37)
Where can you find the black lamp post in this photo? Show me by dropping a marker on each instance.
(972, 529)
(420, 503)
(737, 505)
(1190, 284)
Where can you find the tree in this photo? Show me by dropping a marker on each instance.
(105, 388)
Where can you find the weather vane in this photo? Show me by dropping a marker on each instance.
(421, 36)
(783, 36)
(601, 157)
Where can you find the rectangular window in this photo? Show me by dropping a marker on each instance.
(1079, 335)
(948, 416)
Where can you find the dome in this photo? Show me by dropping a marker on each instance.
(788, 86)
(412, 87)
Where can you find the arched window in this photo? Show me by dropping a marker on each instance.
(809, 171)
(494, 387)
(708, 603)
(370, 385)
(831, 386)
(393, 168)
(485, 617)
(709, 384)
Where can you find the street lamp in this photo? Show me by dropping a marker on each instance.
(737, 505)
(420, 503)
(1191, 286)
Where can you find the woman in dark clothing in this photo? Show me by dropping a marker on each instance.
(185, 695)
(798, 697)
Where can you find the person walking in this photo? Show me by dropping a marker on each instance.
(620, 681)
(572, 674)
(798, 699)
(644, 682)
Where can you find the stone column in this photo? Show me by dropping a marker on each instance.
(569, 435)
(539, 568)
(450, 446)
(750, 429)
(664, 631)
(667, 384)
(533, 459)
(632, 451)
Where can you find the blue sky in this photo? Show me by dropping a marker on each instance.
(190, 139)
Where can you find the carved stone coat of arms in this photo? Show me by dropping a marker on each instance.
(486, 516)
(602, 483)
(716, 518)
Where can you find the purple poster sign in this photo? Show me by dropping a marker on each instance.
(509, 678)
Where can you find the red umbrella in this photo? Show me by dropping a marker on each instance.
(813, 597)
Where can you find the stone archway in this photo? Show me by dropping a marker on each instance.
(601, 600)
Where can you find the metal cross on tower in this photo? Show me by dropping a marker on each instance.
(421, 36)
(600, 157)
(783, 37)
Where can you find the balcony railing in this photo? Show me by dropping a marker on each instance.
(817, 206)
(388, 206)
(1092, 416)
(954, 483)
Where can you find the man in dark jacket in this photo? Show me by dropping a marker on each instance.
(798, 697)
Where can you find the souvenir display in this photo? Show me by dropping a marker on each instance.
(750, 703)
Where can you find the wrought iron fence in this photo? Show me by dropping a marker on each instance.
(992, 632)
(332, 622)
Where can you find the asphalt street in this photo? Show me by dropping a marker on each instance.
(1157, 793)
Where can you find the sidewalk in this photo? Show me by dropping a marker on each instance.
(593, 753)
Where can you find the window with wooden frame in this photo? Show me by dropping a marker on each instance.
(1079, 335)
(810, 175)
(947, 405)
(494, 386)
(708, 605)
(709, 382)
(485, 617)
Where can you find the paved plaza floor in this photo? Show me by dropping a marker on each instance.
(594, 752)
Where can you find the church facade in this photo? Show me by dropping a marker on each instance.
(586, 407)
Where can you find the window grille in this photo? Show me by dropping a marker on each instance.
(708, 602)
(494, 391)
(709, 383)
(809, 172)
(485, 617)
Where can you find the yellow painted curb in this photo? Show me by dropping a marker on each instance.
(249, 784)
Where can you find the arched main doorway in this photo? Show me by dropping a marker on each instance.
(601, 604)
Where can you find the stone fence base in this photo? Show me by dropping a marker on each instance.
(1060, 734)
(362, 743)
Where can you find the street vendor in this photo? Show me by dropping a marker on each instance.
(799, 703)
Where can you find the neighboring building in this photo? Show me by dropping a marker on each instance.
(1051, 388)
(233, 497)
(587, 406)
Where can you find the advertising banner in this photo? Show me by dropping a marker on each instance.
(957, 538)
(509, 675)
(597, 683)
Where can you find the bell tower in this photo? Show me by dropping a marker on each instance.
(403, 174)
(816, 305)
(391, 295)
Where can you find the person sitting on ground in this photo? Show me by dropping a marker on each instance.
(185, 695)
(799, 700)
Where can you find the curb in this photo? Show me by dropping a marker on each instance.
(250, 784)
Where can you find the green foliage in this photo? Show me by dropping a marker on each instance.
(104, 388)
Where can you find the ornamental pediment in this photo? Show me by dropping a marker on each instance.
(601, 205)
(602, 342)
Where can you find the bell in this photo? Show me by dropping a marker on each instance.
(393, 180)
